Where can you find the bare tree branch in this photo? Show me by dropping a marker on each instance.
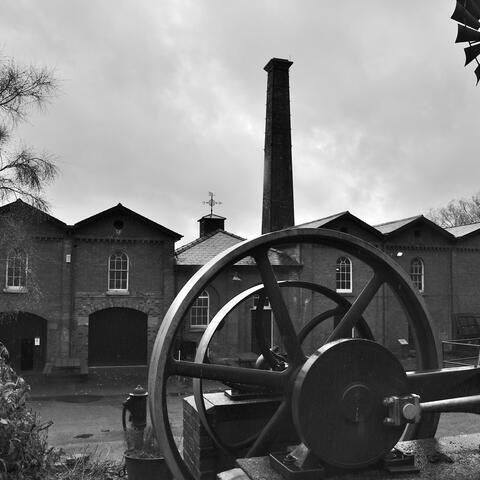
(20, 87)
(462, 211)
(23, 174)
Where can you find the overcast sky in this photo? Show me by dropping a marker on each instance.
(163, 101)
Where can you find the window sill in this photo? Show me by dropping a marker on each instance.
(345, 292)
(15, 290)
(117, 292)
(198, 328)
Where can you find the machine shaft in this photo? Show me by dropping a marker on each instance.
(469, 404)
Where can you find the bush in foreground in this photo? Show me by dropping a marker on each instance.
(24, 452)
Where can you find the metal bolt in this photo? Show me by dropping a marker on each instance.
(409, 411)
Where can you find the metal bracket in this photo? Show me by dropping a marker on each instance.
(402, 410)
(299, 464)
(400, 462)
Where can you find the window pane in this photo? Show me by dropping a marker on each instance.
(199, 313)
(417, 273)
(16, 269)
(343, 274)
(118, 271)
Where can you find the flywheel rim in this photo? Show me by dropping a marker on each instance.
(398, 280)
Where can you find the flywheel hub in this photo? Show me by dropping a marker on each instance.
(337, 402)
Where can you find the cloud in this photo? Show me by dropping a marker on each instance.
(162, 102)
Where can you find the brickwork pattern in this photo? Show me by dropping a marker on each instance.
(199, 452)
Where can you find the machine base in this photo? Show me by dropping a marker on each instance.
(448, 458)
(291, 471)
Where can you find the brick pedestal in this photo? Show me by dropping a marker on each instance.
(233, 420)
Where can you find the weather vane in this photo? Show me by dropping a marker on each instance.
(211, 202)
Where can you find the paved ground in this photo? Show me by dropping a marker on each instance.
(95, 425)
(88, 414)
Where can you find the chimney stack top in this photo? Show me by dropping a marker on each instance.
(278, 63)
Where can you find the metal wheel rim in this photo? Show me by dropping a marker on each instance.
(399, 281)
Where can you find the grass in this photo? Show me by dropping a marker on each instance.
(86, 465)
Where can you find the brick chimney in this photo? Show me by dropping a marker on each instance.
(277, 177)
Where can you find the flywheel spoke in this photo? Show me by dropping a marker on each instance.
(226, 373)
(280, 418)
(354, 313)
(280, 311)
(318, 319)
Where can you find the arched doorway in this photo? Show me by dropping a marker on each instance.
(25, 336)
(117, 336)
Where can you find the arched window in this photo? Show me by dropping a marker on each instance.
(343, 275)
(16, 272)
(200, 311)
(118, 271)
(417, 273)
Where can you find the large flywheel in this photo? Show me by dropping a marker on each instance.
(268, 358)
(353, 392)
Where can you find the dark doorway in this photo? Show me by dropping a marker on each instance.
(26, 353)
(117, 336)
(265, 319)
(25, 336)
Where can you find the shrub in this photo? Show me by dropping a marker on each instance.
(24, 452)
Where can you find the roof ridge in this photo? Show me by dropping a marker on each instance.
(233, 234)
(201, 239)
(128, 211)
(396, 221)
(463, 225)
(23, 203)
(324, 218)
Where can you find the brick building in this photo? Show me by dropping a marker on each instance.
(237, 333)
(65, 285)
(442, 264)
(95, 293)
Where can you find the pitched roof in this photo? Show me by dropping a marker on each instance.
(203, 249)
(213, 216)
(397, 226)
(389, 227)
(120, 209)
(346, 215)
(19, 203)
(321, 221)
(463, 230)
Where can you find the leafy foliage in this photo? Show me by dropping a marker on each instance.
(24, 453)
(462, 211)
(23, 173)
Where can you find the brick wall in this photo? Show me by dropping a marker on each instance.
(42, 239)
(150, 288)
(233, 421)
(65, 293)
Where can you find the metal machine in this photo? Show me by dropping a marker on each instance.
(136, 405)
(349, 401)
